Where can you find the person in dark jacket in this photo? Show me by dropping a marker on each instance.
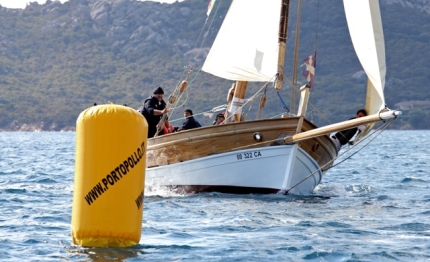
(342, 137)
(219, 120)
(153, 108)
(190, 122)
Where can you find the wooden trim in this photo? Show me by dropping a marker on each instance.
(200, 142)
(326, 130)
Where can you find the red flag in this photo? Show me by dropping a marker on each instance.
(309, 72)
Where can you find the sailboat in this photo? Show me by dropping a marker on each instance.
(288, 154)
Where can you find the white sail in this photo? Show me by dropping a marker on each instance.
(365, 28)
(246, 47)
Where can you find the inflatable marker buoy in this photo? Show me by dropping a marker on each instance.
(109, 177)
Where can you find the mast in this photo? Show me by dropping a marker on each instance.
(234, 108)
(296, 55)
(282, 41)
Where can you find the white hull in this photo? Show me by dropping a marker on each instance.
(260, 170)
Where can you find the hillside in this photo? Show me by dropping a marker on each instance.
(58, 59)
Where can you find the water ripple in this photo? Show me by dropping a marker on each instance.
(367, 209)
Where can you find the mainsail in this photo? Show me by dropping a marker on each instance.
(365, 28)
(246, 47)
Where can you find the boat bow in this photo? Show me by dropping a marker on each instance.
(325, 130)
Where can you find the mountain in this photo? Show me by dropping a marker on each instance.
(58, 59)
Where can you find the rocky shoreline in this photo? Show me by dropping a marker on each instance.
(37, 128)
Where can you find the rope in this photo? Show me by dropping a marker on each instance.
(213, 110)
(316, 31)
(172, 101)
(223, 106)
(207, 30)
(262, 102)
(189, 67)
(382, 128)
(251, 99)
(283, 103)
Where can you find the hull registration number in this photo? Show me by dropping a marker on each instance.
(248, 155)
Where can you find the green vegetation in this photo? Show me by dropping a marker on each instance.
(58, 59)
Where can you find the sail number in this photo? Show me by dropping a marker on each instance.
(248, 155)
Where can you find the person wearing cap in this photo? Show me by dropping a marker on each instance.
(153, 108)
(190, 122)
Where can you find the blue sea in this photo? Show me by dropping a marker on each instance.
(374, 206)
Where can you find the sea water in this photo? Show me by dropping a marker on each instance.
(374, 206)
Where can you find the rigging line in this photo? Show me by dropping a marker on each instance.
(316, 49)
(320, 113)
(250, 107)
(309, 103)
(205, 36)
(202, 42)
(188, 66)
(207, 31)
(172, 101)
(293, 87)
(262, 102)
(323, 170)
(252, 97)
(213, 18)
(380, 129)
(317, 29)
(283, 103)
(200, 35)
(186, 90)
(175, 105)
(213, 110)
(296, 55)
(187, 94)
(183, 103)
(275, 116)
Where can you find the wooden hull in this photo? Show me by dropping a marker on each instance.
(170, 153)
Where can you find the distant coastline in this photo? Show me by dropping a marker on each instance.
(38, 128)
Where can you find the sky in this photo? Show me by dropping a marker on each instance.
(22, 3)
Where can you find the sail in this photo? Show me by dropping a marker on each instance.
(365, 28)
(246, 47)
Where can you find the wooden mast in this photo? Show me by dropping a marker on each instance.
(282, 41)
(235, 103)
(295, 61)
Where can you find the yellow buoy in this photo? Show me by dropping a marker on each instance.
(109, 177)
